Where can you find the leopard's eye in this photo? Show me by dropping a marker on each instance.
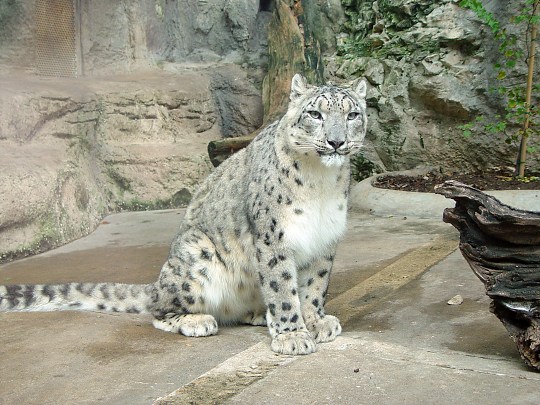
(316, 115)
(353, 115)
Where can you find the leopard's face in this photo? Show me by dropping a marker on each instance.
(327, 122)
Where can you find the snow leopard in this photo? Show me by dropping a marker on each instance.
(258, 240)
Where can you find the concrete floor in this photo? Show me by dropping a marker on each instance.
(402, 342)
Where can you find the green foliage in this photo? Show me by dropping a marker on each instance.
(361, 26)
(120, 181)
(362, 168)
(510, 66)
(396, 48)
(136, 204)
(485, 16)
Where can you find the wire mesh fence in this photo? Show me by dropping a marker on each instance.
(55, 38)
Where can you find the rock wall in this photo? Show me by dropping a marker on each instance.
(129, 35)
(429, 65)
(72, 152)
(159, 81)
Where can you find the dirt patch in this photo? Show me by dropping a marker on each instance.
(490, 180)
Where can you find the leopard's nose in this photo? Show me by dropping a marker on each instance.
(335, 144)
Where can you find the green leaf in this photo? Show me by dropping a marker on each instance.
(501, 126)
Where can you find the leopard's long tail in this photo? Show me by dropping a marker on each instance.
(107, 297)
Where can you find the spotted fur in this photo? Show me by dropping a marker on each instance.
(258, 240)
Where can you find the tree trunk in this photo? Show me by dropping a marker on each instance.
(288, 55)
(522, 160)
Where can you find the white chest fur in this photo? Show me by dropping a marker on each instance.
(314, 226)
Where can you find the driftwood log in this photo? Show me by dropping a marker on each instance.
(221, 149)
(502, 246)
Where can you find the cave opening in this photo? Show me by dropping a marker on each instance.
(267, 5)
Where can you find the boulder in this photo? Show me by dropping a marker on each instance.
(238, 101)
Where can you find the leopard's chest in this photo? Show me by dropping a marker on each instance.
(313, 228)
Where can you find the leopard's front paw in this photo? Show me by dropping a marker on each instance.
(325, 329)
(298, 342)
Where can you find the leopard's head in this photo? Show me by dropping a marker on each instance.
(327, 122)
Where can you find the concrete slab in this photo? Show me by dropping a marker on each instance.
(401, 345)
(90, 358)
(419, 314)
(360, 369)
(412, 347)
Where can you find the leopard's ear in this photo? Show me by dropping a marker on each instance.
(359, 87)
(299, 86)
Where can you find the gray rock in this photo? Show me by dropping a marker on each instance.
(126, 36)
(444, 94)
(374, 72)
(238, 101)
(456, 300)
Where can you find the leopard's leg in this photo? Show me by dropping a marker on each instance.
(255, 318)
(313, 284)
(176, 311)
(180, 294)
(200, 285)
(279, 287)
